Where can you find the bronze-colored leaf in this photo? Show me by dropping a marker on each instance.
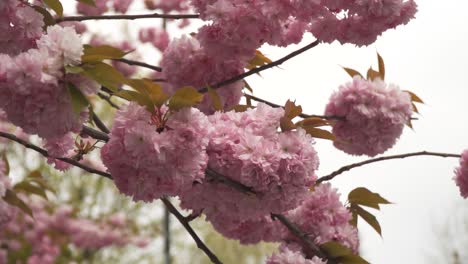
(368, 217)
(150, 89)
(240, 108)
(414, 97)
(352, 259)
(7, 165)
(258, 60)
(313, 122)
(335, 250)
(372, 74)
(29, 188)
(363, 196)
(248, 87)
(291, 110)
(47, 17)
(88, 2)
(381, 67)
(353, 72)
(319, 133)
(286, 124)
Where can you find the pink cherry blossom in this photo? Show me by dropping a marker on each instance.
(373, 116)
(461, 175)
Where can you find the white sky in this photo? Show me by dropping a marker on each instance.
(428, 57)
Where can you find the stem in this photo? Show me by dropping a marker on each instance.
(95, 133)
(400, 156)
(125, 17)
(167, 237)
(258, 99)
(261, 68)
(100, 124)
(107, 98)
(189, 229)
(139, 63)
(44, 153)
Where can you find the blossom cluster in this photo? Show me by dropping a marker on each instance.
(461, 175)
(52, 227)
(156, 160)
(34, 87)
(20, 25)
(102, 6)
(287, 256)
(371, 116)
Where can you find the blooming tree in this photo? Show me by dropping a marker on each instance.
(189, 128)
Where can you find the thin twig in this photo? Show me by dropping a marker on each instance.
(126, 17)
(100, 124)
(141, 64)
(95, 133)
(304, 237)
(258, 99)
(189, 229)
(44, 153)
(107, 98)
(400, 156)
(228, 181)
(261, 68)
(167, 236)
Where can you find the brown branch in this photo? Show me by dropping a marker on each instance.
(261, 68)
(189, 229)
(107, 98)
(44, 153)
(139, 63)
(258, 99)
(211, 174)
(400, 156)
(99, 123)
(126, 17)
(304, 237)
(95, 133)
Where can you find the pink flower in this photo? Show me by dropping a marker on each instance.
(287, 256)
(155, 163)
(373, 113)
(461, 174)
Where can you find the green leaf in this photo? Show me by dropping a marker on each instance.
(319, 133)
(78, 99)
(215, 99)
(88, 2)
(55, 5)
(185, 97)
(29, 188)
(7, 164)
(363, 196)
(136, 97)
(11, 198)
(381, 67)
(368, 217)
(99, 53)
(352, 72)
(105, 75)
(73, 69)
(352, 259)
(150, 89)
(47, 17)
(335, 250)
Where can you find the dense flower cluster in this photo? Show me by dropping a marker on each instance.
(186, 63)
(373, 116)
(20, 25)
(324, 218)
(154, 161)
(159, 38)
(102, 6)
(247, 148)
(461, 175)
(34, 87)
(52, 227)
(287, 256)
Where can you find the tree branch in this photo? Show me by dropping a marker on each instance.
(261, 68)
(139, 63)
(258, 99)
(44, 153)
(227, 181)
(95, 133)
(400, 156)
(107, 98)
(99, 123)
(126, 17)
(189, 229)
